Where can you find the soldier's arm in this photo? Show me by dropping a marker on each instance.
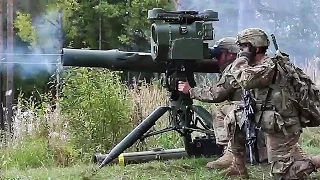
(249, 77)
(212, 94)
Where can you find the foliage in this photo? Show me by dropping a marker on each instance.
(188, 169)
(102, 113)
(36, 152)
(97, 106)
(144, 99)
(28, 84)
(31, 153)
(38, 27)
(83, 22)
(34, 141)
(139, 10)
(25, 29)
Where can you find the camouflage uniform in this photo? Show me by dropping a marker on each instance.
(215, 94)
(280, 121)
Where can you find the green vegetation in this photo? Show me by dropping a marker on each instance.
(172, 169)
(45, 152)
(190, 169)
(101, 109)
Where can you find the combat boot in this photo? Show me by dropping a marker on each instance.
(223, 162)
(316, 161)
(237, 169)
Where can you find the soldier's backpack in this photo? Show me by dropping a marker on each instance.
(305, 93)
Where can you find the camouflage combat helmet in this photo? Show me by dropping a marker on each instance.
(228, 43)
(256, 36)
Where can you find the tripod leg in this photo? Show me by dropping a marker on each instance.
(158, 132)
(204, 114)
(134, 135)
(186, 120)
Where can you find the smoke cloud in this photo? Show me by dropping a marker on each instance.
(30, 61)
(295, 23)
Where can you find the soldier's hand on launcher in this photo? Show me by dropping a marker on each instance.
(184, 87)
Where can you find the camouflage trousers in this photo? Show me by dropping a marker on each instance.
(287, 159)
(220, 125)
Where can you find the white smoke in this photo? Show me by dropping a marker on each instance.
(295, 23)
(44, 56)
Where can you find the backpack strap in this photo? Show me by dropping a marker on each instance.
(263, 107)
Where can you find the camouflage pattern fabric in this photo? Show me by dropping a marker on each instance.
(219, 92)
(281, 125)
(224, 91)
(219, 123)
(224, 129)
(228, 43)
(256, 36)
(303, 91)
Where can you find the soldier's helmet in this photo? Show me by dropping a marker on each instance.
(227, 43)
(224, 44)
(256, 36)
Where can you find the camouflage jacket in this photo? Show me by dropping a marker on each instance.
(219, 92)
(259, 78)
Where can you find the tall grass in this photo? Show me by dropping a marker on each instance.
(40, 136)
(97, 112)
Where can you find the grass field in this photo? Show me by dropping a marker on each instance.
(172, 169)
(188, 169)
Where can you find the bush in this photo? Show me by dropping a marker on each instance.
(39, 138)
(96, 103)
(36, 152)
(145, 99)
(30, 153)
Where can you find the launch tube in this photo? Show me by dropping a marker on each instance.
(127, 61)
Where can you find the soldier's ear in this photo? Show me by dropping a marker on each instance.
(257, 50)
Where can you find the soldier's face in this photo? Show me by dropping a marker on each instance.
(225, 59)
(222, 58)
(245, 47)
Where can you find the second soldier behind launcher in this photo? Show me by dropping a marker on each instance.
(225, 51)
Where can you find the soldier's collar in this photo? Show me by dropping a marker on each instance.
(264, 58)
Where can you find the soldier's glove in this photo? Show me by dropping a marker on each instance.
(246, 54)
